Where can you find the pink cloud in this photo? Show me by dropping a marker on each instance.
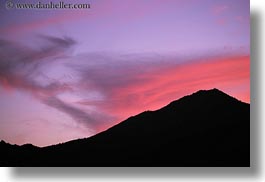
(160, 86)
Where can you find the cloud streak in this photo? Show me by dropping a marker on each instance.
(77, 114)
(107, 87)
(18, 71)
(131, 86)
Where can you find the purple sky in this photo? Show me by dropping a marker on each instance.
(67, 74)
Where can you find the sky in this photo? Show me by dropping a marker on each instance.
(69, 74)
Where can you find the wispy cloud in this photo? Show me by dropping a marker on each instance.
(77, 114)
(18, 72)
(109, 87)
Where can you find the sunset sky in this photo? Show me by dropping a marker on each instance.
(68, 74)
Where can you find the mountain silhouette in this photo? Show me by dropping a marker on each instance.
(207, 128)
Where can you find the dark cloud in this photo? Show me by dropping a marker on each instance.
(65, 42)
(77, 114)
(16, 57)
(20, 65)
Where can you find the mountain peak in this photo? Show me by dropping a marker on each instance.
(213, 90)
(212, 93)
(201, 97)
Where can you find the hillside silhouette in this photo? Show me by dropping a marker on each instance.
(207, 128)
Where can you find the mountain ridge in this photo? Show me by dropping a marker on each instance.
(196, 122)
(192, 94)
